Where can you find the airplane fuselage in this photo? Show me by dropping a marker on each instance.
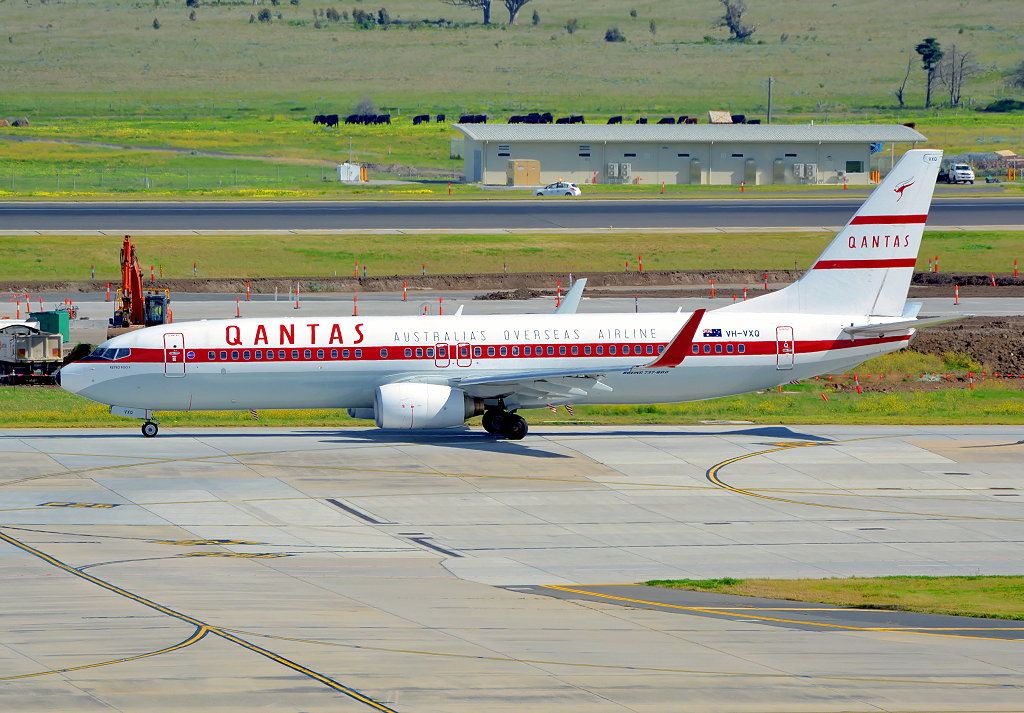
(325, 362)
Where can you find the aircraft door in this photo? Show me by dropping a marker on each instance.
(174, 354)
(785, 348)
(442, 358)
(464, 354)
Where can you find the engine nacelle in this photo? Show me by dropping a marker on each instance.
(366, 413)
(410, 406)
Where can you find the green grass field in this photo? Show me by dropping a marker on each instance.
(97, 71)
(989, 403)
(32, 257)
(998, 597)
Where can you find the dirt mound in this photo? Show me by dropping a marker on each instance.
(520, 294)
(996, 342)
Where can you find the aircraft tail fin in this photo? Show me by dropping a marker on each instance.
(868, 266)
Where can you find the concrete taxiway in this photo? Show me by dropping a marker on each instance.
(321, 570)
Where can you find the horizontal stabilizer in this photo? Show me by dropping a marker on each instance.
(886, 328)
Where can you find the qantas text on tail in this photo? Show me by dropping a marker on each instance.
(435, 372)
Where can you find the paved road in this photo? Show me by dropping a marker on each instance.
(537, 214)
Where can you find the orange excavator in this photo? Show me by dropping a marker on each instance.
(134, 306)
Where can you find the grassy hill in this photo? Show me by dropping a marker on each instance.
(104, 57)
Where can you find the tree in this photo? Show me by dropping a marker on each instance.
(573, 24)
(513, 7)
(733, 19)
(931, 54)
(535, 19)
(1016, 78)
(484, 5)
(156, 24)
(956, 68)
(653, 26)
(903, 85)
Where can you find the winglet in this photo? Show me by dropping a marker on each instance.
(571, 301)
(679, 347)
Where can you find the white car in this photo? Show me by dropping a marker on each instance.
(957, 173)
(559, 188)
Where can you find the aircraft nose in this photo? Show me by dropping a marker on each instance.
(71, 377)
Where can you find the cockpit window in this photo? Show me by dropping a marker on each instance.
(111, 354)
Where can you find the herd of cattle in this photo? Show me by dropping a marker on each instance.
(533, 117)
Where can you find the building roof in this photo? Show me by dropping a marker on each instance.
(693, 133)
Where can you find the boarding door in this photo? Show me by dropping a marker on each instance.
(174, 354)
(464, 354)
(785, 348)
(442, 358)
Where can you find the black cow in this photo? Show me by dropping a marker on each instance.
(353, 119)
(515, 119)
(563, 120)
(642, 120)
(753, 121)
(319, 119)
(691, 120)
(441, 118)
(576, 119)
(546, 118)
(682, 119)
(473, 119)
(615, 120)
(332, 119)
(739, 118)
(421, 119)
(666, 120)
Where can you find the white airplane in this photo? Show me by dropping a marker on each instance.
(428, 372)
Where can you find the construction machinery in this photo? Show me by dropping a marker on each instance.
(134, 306)
(33, 349)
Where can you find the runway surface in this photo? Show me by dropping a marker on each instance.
(483, 215)
(322, 570)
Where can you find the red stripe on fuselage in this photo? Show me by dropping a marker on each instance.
(889, 219)
(864, 264)
(397, 353)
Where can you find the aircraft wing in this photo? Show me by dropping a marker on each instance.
(886, 328)
(533, 388)
(571, 301)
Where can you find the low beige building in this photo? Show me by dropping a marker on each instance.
(708, 154)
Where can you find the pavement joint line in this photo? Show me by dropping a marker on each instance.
(200, 625)
(653, 669)
(732, 614)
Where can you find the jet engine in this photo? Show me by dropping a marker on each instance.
(366, 413)
(410, 406)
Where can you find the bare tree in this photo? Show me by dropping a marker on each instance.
(1016, 76)
(733, 19)
(484, 5)
(903, 85)
(513, 7)
(955, 69)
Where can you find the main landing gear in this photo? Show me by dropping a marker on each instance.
(508, 424)
(150, 429)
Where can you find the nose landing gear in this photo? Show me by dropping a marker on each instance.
(150, 429)
(508, 424)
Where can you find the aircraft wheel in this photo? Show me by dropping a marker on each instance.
(515, 428)
(492, 420)
(150, 429)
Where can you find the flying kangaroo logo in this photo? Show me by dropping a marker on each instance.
(902, 187)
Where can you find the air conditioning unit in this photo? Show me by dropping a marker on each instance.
(811, 171)
(625, 170)
(798, 170)
(613, 170)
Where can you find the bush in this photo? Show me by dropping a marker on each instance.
(633, 13)
(365, 106)
(332, 15)
(191, 3)
(383, 17)
(363, 19)
(156, 24)
(572, 25)
(192, 15)
(263, 15)
(536, 18)
(613, 34)
(1005, 105)
(653, 27)
(960, 361)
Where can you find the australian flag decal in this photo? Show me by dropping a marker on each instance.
(712, 332)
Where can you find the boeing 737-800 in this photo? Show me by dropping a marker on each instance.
(426, 372)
